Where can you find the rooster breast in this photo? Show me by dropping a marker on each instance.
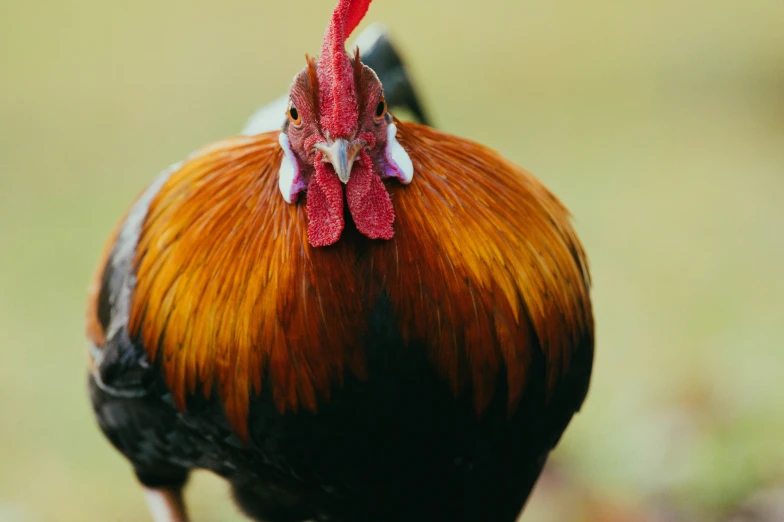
(423, 378)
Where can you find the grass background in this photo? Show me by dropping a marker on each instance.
(660, 124)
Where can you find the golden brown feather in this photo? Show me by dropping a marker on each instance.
(493, 249)
(229, 291)
(218, 260)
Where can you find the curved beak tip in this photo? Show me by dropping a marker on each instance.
(341, 154)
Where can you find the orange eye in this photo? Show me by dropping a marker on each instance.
(294, 115)
(381, 108)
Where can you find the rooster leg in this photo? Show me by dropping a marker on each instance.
(166, 504)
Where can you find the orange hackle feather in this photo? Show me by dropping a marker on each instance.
(229, 288)
(484, 269)
(486, 265)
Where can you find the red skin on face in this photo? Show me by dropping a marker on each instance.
(342, 105)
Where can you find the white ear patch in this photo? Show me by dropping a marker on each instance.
(289, 180)
(398, 163)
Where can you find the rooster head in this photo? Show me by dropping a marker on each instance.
(339, 135)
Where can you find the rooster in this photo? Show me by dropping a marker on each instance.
(350, 319)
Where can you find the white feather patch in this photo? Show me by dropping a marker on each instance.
(399, 164)
(289, 180)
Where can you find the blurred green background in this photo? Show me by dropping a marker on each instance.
(660, 124)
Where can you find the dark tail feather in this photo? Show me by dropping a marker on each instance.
(380, 54)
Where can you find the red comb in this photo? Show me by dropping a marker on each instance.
(337, 93)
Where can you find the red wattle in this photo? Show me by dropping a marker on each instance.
(369, 202)
(325, 206)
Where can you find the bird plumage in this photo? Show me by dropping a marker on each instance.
(222, 267)
(484, 280)
(424, 376)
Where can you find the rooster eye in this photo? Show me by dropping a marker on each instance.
(294, 115)
(381, 108)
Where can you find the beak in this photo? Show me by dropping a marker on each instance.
(341, 153)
